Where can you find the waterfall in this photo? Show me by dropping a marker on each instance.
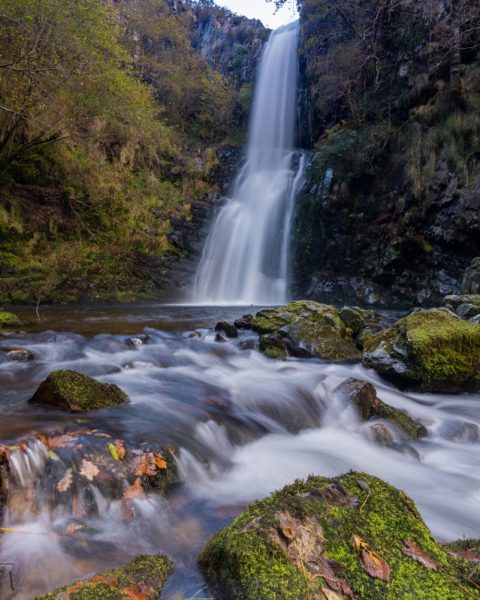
(246, 256)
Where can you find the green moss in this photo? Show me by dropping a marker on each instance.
(73, 391)
(244, 561)
(145, 574)
(440, 351)
(8, 319)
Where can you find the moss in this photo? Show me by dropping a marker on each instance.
(439, 351)
(249, 559)
(145, 575)
(8, 319)
(75, 392)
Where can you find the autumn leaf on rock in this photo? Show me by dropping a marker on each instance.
(372, 562)
(135, 491)
(160, 462)
(114, 451)
(413, 551)
(145, 464)
(89, 470)
(61, 441)
(120, 446)
(64, 484)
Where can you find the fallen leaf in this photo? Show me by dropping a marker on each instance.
(469, 555)
(145, 464)
(53, 455)
(120, 446)
(64, 484)
(135, 490)
(89, 470)
(160, 462)
(61, 441)
(413, 551)
(114, 451)
(372, 562)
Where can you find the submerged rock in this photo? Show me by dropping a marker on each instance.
(363, 396)
(228, 329)
(74, 392)
(306, 328)
(8, 320)
(20, 354)
(137, 340)
(144, 577)
(352, 536)
(429, 350)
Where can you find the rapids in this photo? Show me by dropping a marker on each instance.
(244, 425)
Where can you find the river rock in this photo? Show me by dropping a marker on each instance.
(227, 328)
(20, 354)
(429, 350)
(309, 329)
(352, 536)
(8, 320)
(244, 322)
(74, 392)
(363, 396)
(138, 340)
(144, 577)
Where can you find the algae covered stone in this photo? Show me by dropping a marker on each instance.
(144, 577)
(352, 536)
(429, 350)
(306, 328)
(8, 320)
(72, 391)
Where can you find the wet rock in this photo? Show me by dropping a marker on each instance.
(144, 577)
(227, 328)
(74, 392)
(8, 320)
(273, 346)
(245, 322)
(463, 433)
(309, 329)
(138, 340)
(363, 396)
(219, 338)
(455, 300)
(20, 354)
(467, 311)
(429, 350)
(380, 434)
(471, 278)
(4, 480)
(331, 538)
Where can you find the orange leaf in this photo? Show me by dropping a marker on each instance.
(413, 551)
(372, 562)
(64, 484)
(89, 470)
(145, 464)
(61, 441)
(120, 446)
(135, 490)
(160, 462)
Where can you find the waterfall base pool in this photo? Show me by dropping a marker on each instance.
(242, 425)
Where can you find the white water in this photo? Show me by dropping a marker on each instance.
(245, 259)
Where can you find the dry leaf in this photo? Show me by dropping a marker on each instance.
(469, 555)
(53, 455)
(89, 470)
(145, 464)
(120, 446)
(160, 462)
(113, 451)
(372, 562)
(64, 484)
(413, 551)
(61, 441)
(135, 490)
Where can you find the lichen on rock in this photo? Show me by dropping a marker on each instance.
(429, 350)
(352, 536)
(72, 391)
(144, 577)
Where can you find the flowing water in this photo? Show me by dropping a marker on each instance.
(246, 256)
(243, 426)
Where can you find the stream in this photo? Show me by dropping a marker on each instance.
(242, 425)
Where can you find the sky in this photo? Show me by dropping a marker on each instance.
(259, 9)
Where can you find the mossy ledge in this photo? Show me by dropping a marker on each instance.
(72, 391)
(299, 544)
(143, 577)
(429, 350)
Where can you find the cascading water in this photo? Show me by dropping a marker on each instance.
(245, 259)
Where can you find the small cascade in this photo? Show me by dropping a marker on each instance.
(246, 256)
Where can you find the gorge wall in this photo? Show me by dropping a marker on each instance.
(390, 99)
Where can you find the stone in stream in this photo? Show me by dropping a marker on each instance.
(20, 354)
(8, 320)
(352, 536)
(244, 322)
(428, 350)
(363, 396)
(74, 392)
(227, 328)
(137, 340)
(142, 578)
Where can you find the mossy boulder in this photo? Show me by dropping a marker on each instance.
(363, 396)
(305, 328)
(74, 392)
(429, 350)
(144, 577)
(8, 320)
(352, 536)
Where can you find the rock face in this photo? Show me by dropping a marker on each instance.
(363, 396)
(74, 392)
(352, 536)
(310, 329)
(429, 350)
(144, 577)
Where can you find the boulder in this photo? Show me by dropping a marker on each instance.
(74, 392)
(429, 350)
(8, 320)
(363, 396)
(471, 278)
(144, 577)
(228, 329)
(244, 322)
(352, 536)
(309, 329)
